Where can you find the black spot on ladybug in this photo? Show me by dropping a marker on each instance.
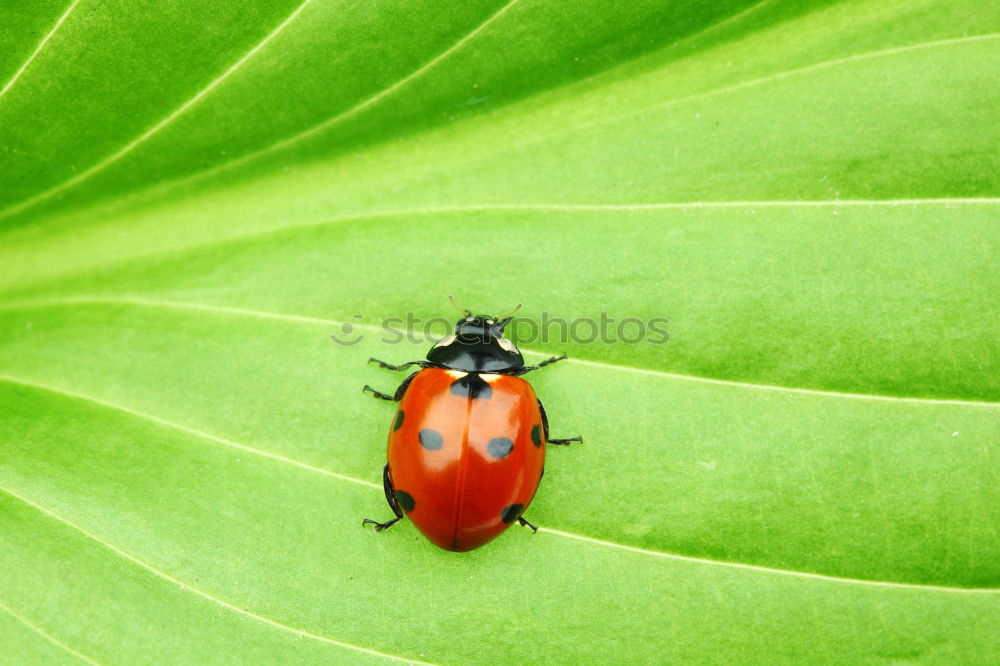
(405, 500)
(472, 385)
(536, 433)
(500, 447)
(399, 421)
(512, 513)
(431, 439)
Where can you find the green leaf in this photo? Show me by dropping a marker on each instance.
(195, 196)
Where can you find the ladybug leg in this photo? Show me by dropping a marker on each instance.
(397, 396)
(390, 496)
(548, 361)
(390, 366)
(380, 526)
(565, 442)
(377, 394)
(525, 523)
(545, 430)
(551, 359)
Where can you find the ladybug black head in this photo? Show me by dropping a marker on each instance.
(477, 345)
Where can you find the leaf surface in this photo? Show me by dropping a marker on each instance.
(193, 199)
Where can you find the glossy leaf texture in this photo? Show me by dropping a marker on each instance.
(194, 196)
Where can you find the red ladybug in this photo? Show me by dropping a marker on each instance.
(467, 445)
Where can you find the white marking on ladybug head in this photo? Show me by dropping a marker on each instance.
(490, 322)
(489, 378)
(456, 374)
(506, 345)
(446, 341)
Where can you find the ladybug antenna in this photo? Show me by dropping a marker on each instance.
(506, 319)
(507, 316)
(467, 313)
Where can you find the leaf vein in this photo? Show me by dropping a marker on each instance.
(46, 635)
(777, 76)
(719, 25)
(199, 592)
(261, 314)
(569, 535)
(364, 104)
(189, 430)
(558, 207)
(39, 48)
(354, 110)
(145, 136)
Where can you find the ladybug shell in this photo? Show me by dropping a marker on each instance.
(466, 454)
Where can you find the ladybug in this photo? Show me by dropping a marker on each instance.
(467, 443)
